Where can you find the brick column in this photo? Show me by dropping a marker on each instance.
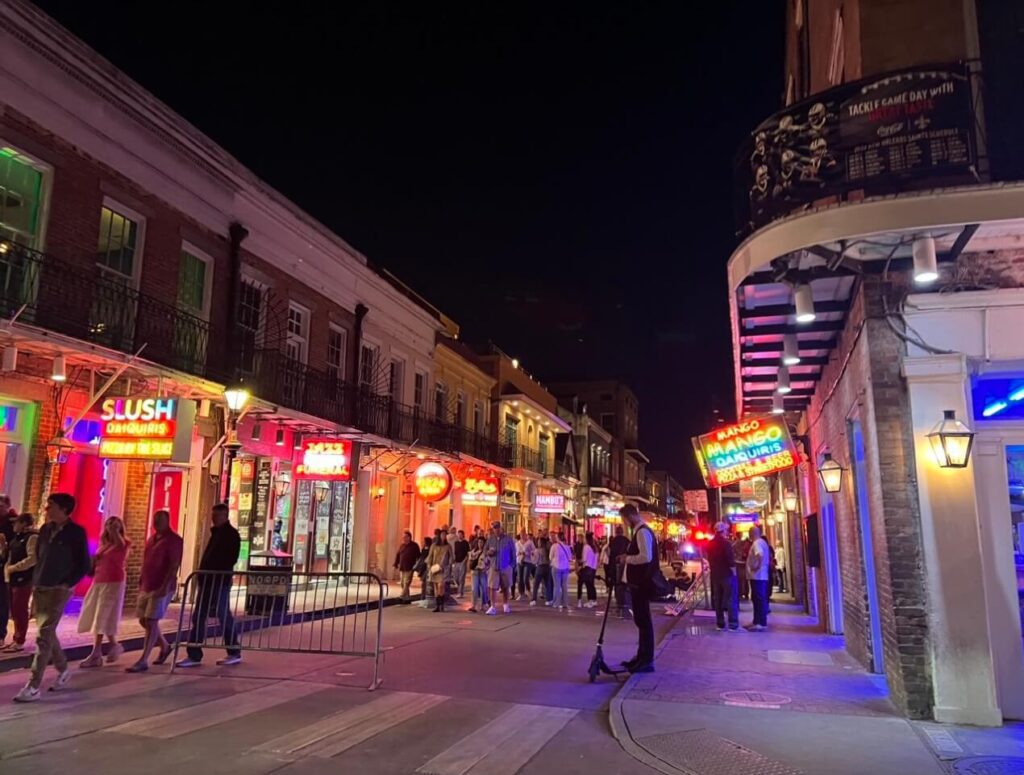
(138, 480)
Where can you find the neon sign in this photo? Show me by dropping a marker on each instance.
(480, 491)
(753, 447)
(146, 428)
(432, 481)
(325, 460)
(544, 503)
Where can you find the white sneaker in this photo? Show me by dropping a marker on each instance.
(187, 662)
(230, 661)
(547, 603)
(579, 603)
(63, 679)
(508, 608)
(533, 603)
(492, 611)
(28, 693)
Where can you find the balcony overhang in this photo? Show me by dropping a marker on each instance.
(531, 408)
(828, 248)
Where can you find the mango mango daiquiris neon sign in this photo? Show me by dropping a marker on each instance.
(754, 447)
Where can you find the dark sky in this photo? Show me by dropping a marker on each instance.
(554, 176)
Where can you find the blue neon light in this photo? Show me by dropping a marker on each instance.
(993, 409)
(1017, 394)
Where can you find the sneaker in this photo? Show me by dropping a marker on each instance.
(579, 604)
(533, 603)
(471, 610)
(592, 604)
(508, 608)
(234, 660)
(719, 628)
(63, 679)
(28, 693)
(547, 603)
(492, 611)
(187, 662)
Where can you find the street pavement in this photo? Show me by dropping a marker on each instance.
(462, 694)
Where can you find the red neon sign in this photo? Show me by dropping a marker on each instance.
(325, 460)
(432, 481)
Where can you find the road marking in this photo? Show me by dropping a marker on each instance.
(372, 727)
(164, 726)
(74, 698)
(365, 720)
(502, 746)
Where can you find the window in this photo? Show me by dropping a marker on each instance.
(297, 345)
(21, 198)
(511, 430)
(336, 353)
(419, 390)
(193, 283)
(478, 417)
(460, 409)
(608, 422)
(249, 323)
(396, 379)
(368, 366)
(543, 445)
(120, 240)
(440, 400)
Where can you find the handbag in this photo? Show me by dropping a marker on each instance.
(435, 568)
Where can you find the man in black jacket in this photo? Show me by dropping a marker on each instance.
(724, 586)
(213, 590)
(63, 560)
(405, 563)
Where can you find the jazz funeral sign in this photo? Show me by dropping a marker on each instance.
(753, 447)
(158, 428)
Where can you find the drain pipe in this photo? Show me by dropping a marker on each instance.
(236, 234)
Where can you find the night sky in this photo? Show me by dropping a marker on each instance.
(556, 177)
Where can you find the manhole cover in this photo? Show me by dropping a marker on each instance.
(754, 699)
(989, 765)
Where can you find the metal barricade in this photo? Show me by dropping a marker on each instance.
(290, 612)
(697, 593)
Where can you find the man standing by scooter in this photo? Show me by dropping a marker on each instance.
(640, 561)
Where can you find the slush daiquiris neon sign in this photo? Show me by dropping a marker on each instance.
(754, 447)
(146, 428)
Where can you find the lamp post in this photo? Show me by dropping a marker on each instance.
(236, 399)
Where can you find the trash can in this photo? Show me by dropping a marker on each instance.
(269, 583)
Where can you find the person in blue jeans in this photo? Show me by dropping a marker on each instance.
(758, 572)
(724, 586)
(213, 592)
(479, 565)
(543, 571)
(561, 563)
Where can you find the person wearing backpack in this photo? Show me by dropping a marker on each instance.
(641, 566)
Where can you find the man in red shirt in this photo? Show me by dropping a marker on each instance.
(157, 583)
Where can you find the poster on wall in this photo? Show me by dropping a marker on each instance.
(261, 505)
(879, 135)
(755, 447)
(340, 546)
(303, 499)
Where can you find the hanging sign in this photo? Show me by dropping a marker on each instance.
(158, 428)
(432, 481)
(545, 503)
(325, 460)
(695, 500)
(753, 447)
(480, 490)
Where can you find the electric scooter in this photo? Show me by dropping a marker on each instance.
(597, 664)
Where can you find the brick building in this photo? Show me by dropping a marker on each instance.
(877, 288)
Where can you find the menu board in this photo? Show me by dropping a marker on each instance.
(261, 505)
(303, 498)
(340, 545)
(323, 523)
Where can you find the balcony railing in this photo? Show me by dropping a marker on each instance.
(98, 308)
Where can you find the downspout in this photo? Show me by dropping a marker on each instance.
(236, 234)
(355, 358)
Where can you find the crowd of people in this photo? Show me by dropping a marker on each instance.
(741, 569)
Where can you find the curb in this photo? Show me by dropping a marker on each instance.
(76, 653)
(620, 727)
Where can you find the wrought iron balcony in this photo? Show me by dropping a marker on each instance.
(88, 305)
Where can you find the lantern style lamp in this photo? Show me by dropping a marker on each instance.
(320, 491)
(789, 500)
(951, 441)
(236, 398)
(831, 474)
(58, 448)
(283, 484)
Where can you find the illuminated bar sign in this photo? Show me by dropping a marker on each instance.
(480, 491)
(147, 428)
(325, 460)
(432, 481)
(753, 447)
(544, 503)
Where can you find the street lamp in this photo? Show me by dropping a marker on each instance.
(831, 474)
(283, 484)
(320, 491)
(236, 399)
(789, 500)
(58, 448)
(951, 441)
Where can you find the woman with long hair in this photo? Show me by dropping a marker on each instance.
(101, 609)
(439, 562)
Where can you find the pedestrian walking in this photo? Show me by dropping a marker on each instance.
(526, 563)
(588, 571)
(460, 558)
(724, 586)
(780, 567)
(63, 562)
(439, 564)
(158, 580)
(405, 563)
(741, 548)
(7, 517)
(422, 567)
(641, 561)
(479, 565)
(213, 590)
(542, 563)
(18, 571)
(104, 602)
(618, 546)
(758, 570)
(561, 563)
(502, 551)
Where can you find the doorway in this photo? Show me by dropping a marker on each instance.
(863, 509)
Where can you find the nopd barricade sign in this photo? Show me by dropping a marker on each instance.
(754, 447)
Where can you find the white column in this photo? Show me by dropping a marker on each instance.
(962, 666)
(361, 522)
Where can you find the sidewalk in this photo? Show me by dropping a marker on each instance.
(788, 701)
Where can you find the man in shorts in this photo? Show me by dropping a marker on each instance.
(501, 548)
(157, 583)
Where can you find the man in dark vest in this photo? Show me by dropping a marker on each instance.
(640, 560)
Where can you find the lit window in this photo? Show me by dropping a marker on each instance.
(118, 243)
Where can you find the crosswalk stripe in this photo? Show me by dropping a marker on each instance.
(174, 723)
(372, 727)
(74, 697)
(379, 708)
(475, 752)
